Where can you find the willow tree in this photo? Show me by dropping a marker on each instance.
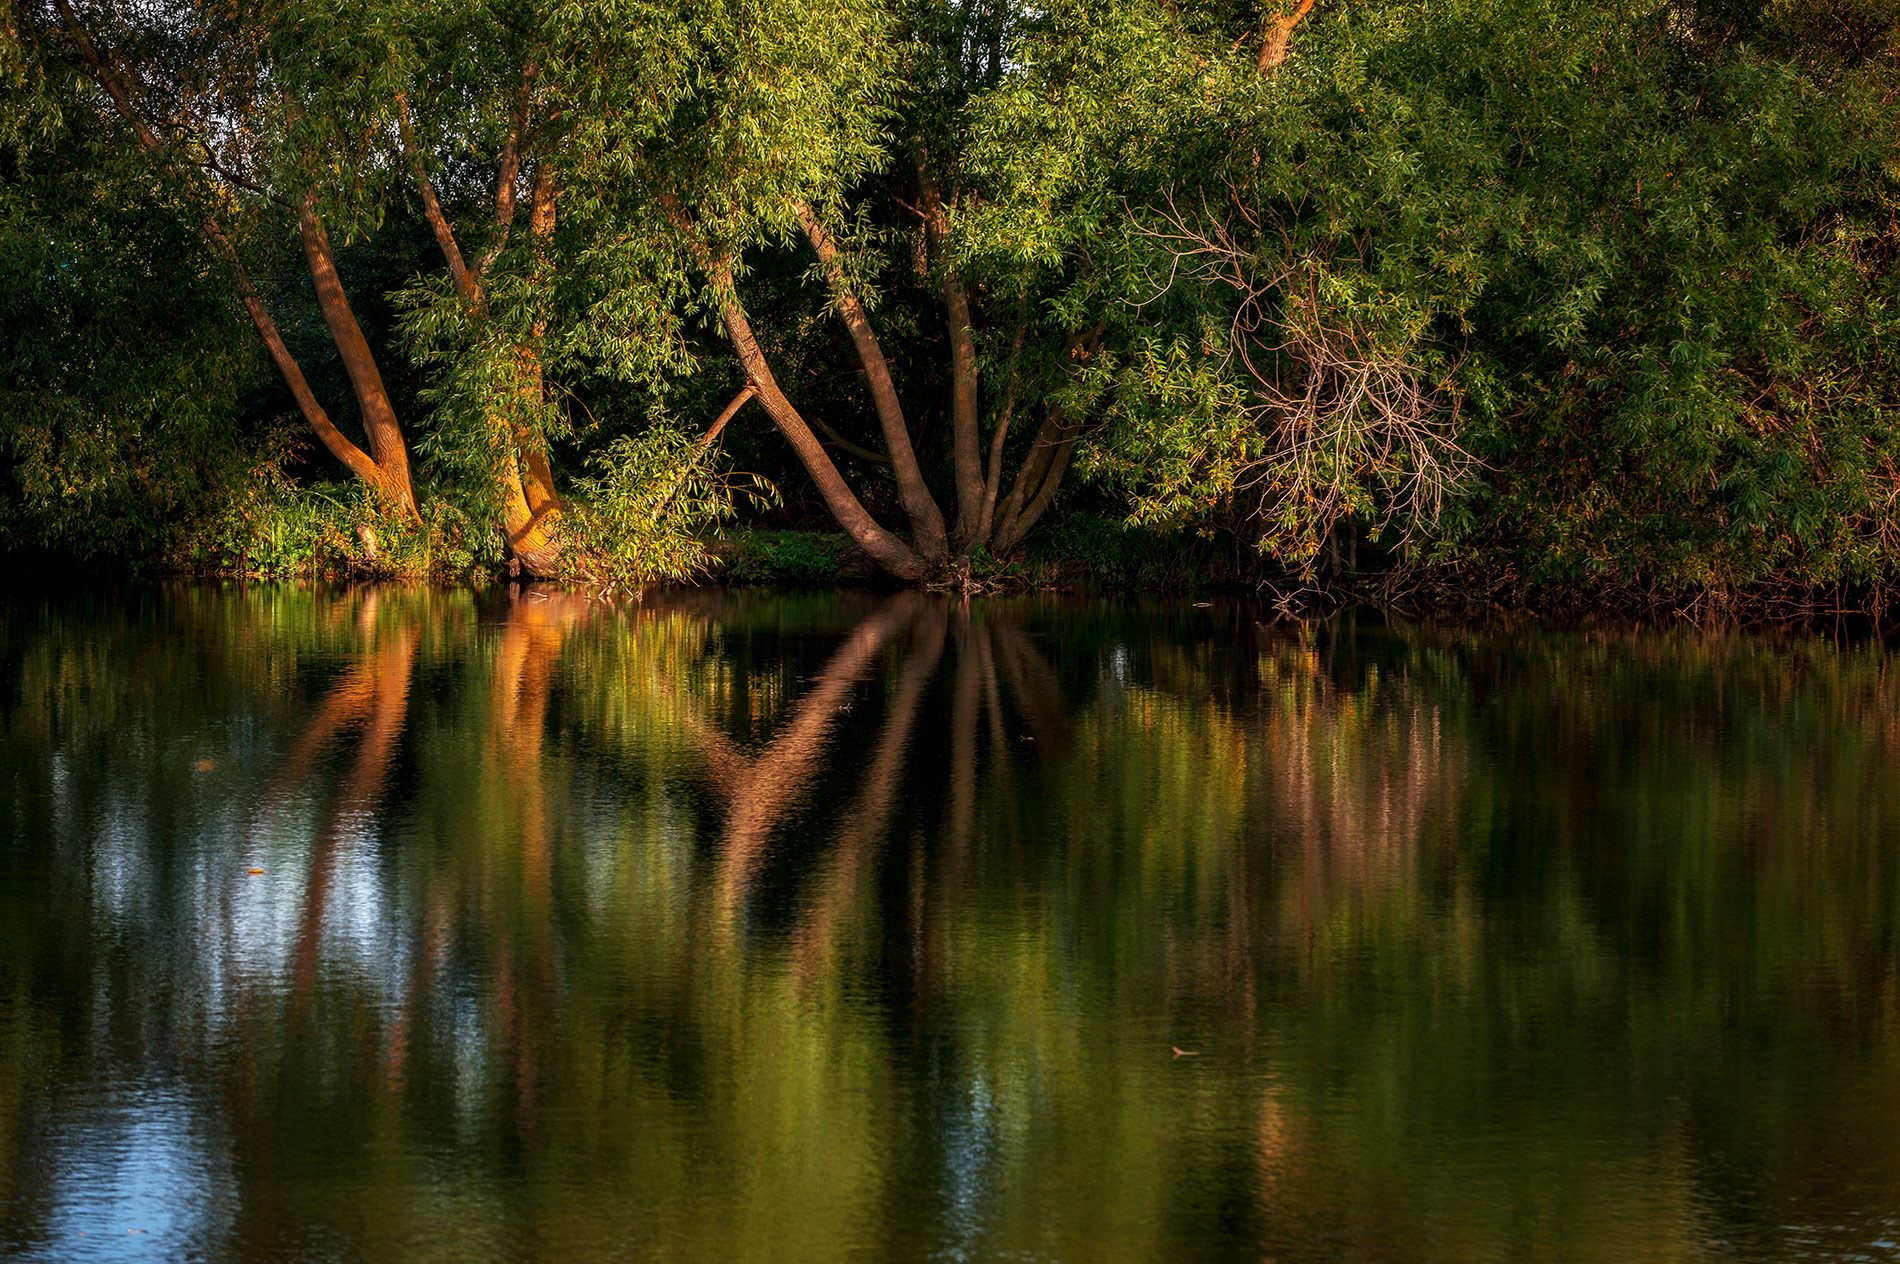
(320, 117)
(842, 132)
(497, 109)
(970, 173)
(197, 91)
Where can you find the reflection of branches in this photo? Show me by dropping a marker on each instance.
(348, 700)
(524, 667)
(356, 798)
(973, 689)
(1361, 406)
(865, 824)
(531, 642)
(762, 787)
(1358, 775)
(1034, 684)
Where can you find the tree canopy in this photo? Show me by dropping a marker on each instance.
(1569, 291)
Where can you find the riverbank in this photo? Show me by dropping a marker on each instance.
(817, 561)
(317, 537)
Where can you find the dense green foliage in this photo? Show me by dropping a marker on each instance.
(1561, 292)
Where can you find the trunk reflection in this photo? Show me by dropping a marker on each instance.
(751, 926)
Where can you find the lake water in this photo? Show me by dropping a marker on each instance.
(428, 925)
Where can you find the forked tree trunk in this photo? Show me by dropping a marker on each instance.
(926, 520)
(391, 481)
(372, 397)
(890, 553)
(524, 479)
(983, 515)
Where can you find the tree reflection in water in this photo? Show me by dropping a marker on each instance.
(744, 925)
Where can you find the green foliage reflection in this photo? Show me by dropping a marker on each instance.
(764, 926)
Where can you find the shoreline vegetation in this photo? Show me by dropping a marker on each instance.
(1081, 553)
(1572, 305)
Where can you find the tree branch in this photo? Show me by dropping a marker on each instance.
(889, 552)
(1274, 39)
(926, 520)
(432, 210)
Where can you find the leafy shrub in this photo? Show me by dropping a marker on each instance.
(796, 557)
(274, 529)
(642, 516)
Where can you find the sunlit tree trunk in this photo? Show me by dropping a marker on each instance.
(372, 397)
(524, 479)
(1278, 30)
(885, 549)
(388, 470)
(527, 482)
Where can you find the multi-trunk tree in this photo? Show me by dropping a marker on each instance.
(883, 143)
(312, 117)
(983, 171)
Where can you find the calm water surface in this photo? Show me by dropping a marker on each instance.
(411, 925)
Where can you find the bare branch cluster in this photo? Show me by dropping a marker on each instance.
(1353, 423)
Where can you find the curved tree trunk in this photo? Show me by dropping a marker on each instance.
(372, 397)
(392, 486)
(926, 520)
(1278, 31)
(527, 482)
(890, 553)
(537, 475)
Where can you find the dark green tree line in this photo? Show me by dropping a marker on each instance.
(1566, 291)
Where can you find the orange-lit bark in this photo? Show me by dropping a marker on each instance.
(926, 520)
(524, 478)
(1273, 43)
(357, 796)
(392, 486)
(372, 397)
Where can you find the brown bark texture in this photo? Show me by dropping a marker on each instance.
(1273, 45)
(965, 442)
(372, 397)
(887, 550)
(527, 482)
(926, 520)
